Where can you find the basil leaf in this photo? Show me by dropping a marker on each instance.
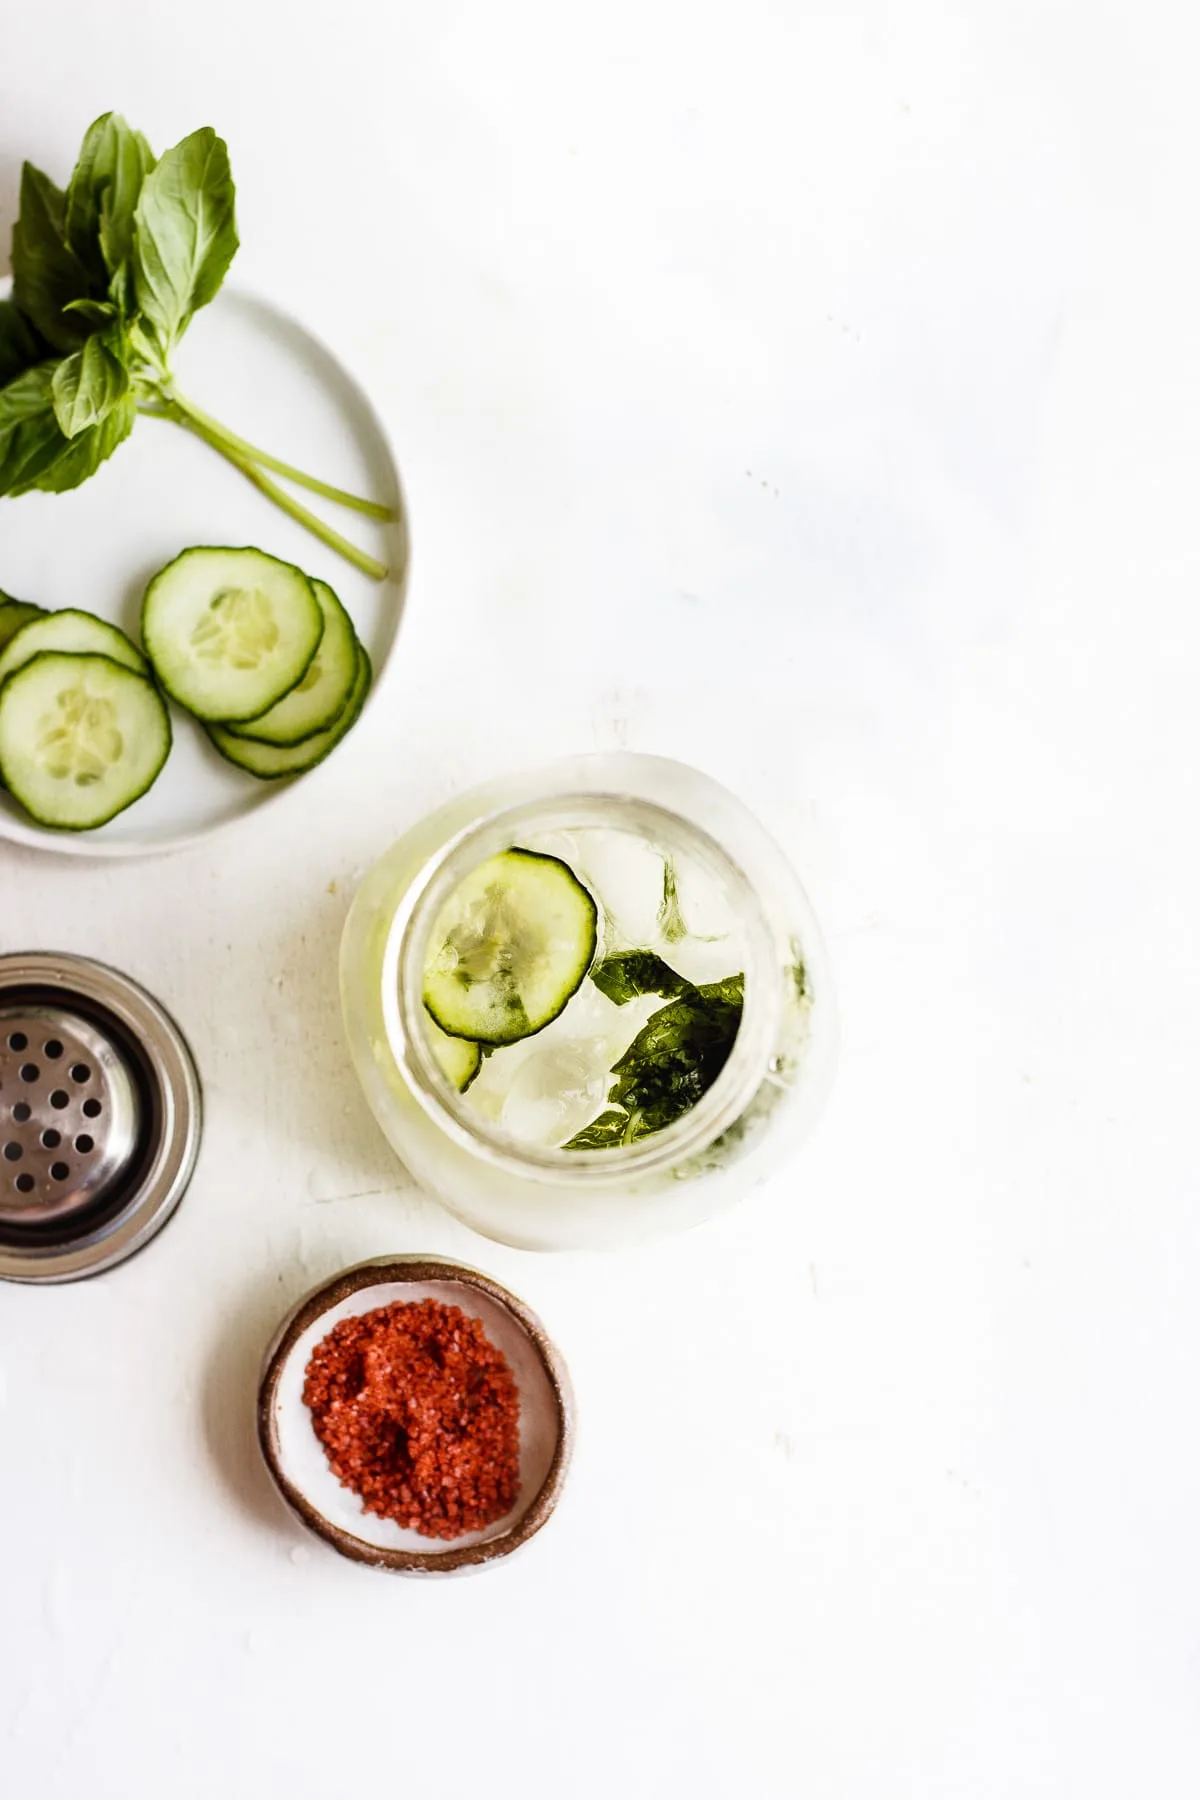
(602, 1134)
(121, 291)
(99, 313)
(678, 1054)
(103, 194)
(185, 235)
(81, 209)
(671, 1063)
(19, 347)
(46, 272)
(86, 387)
(729, 992)
(627, 974)
(670, 917)
(29, 434)
(33, 451)
(81, 456)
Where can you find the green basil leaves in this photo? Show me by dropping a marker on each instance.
(106, 277)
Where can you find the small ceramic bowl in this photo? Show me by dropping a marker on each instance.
(296, 1458)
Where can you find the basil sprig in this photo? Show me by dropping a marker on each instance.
(107, 276)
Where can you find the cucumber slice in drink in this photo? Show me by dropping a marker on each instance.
(458, 1058)
(230, 632)
(509, 948)
(321, 693)
(81, 738)
(71, 633)
(271, 762)
(14, 614)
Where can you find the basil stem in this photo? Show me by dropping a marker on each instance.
(217, 431)
(226, 444)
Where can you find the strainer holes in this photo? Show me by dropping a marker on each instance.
(29, 1071)
(92, 1109)
(84, 1144)
(21, 1112)
(25, 1184)
(51, 1138)
(13, 1153)
(18, 1041)
(81, 1073)
(59, 1171)
(53, 1049)
(59, 1099)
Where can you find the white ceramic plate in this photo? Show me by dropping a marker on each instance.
(268, 379)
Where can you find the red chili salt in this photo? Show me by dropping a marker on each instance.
(418, 1413)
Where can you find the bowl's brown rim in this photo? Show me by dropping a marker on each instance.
(422, 1269)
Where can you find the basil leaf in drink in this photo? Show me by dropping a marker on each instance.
(678, 1054)
(78, 457)
(729, 992)
(602, 1134)
(46, 272)
(670, 918)
(103, 193)
(628, 973)
(19, 346)
(86, 387)
(185, 235)
(671, 1063)
(29, 434)
(671, 922)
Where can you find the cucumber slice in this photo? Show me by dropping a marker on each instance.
(81, 738)
(509, 948)
(319, 696)
(14, 614)
(73, 633)
(230, 631)
(271, 762)
(458, 1058)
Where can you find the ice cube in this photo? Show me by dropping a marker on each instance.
(624, 872)
(558, 1089)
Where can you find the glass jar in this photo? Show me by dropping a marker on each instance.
(762, 1102)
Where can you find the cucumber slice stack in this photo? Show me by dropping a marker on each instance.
(264, 657)
(14, 614)
(321, 693)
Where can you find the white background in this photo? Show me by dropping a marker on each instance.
(811, 393)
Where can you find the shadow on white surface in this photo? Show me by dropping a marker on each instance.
(230, 1388)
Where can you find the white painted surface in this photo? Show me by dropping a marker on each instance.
(810, 393)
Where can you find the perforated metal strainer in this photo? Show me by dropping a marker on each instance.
(99, 1117)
